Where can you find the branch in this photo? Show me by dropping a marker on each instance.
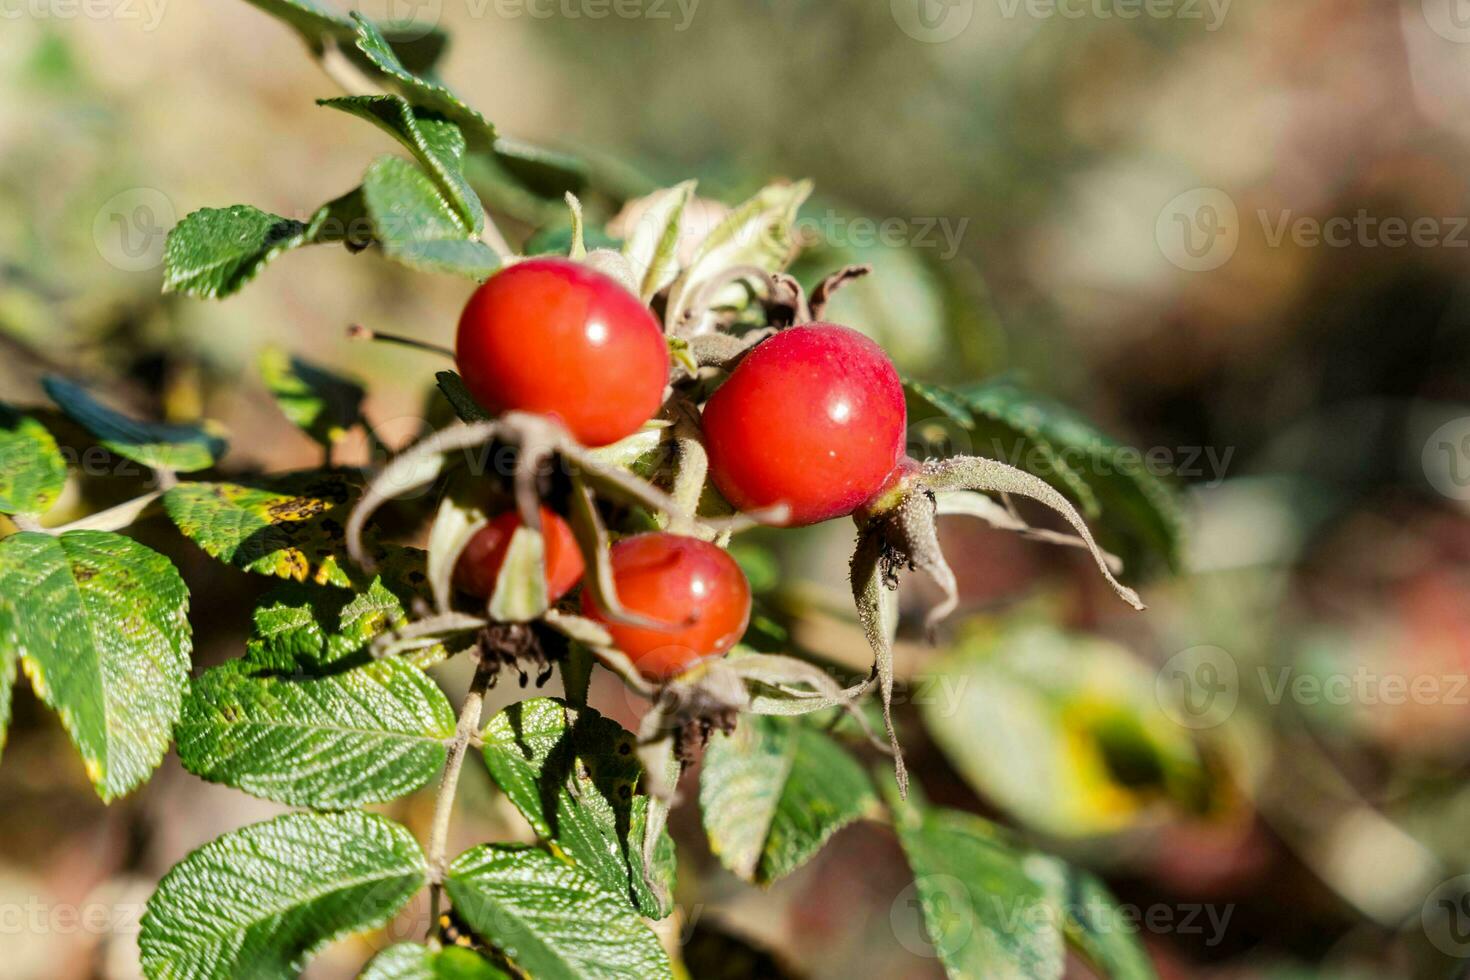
(464, 734)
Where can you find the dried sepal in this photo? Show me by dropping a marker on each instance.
(592, 540)
(920, 545)
(876, 598)
(459, 519)
(993, 476)
(781, 685)
(578, 249)
(1003, 517)
(425, 633)
(822, 295)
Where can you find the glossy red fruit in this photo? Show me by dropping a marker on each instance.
(556, 338)
(479, 563)
(813, 418)
(692, 585)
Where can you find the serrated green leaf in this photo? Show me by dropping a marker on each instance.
(310, 629)
(549, 173)
(321, 403)
(290, 527)
(180, 448)
(551, 918)
(459, 398)
(419, 47)
(311, 20)
(32, 470)
(756, 233)
(260, 901)
(101, 627)
(417, 226)
(345, 737)
(411, 961)
(985, 918)
(574, 775)
(436, 142)
(420, 91)
(1091, 920)
(774, 791)
(213, 252)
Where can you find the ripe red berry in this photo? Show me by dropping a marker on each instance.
(556, 338)
(813, 418)
(692, 585)
(479, 563)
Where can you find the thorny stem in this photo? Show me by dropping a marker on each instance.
(464, 734)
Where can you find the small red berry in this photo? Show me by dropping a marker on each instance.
(813, 418)
(553, 337)
(692, 585)
(479, 563)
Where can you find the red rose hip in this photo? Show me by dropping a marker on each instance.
(692, 585)
(556, 338)
(479, 564)
(812, 418)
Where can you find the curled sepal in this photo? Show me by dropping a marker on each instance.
(920, 544)
(520, 588)
(781, 685)
(822, 295)
(424, 633)
(876, 597)
(592, 540)
(578, 250)
(459, 519)
(409, 472)
(993, 476)
(1003, 517)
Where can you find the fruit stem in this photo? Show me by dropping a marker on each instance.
(357, 331)
(464, 733)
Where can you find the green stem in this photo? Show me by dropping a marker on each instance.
(115, 518)
(464, 735)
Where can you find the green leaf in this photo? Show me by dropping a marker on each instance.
(213, 252)
(652, 244)
(260, 901)
(306, 629)
(9, 664)
(549, 173)
(1091, 920)
(551, 918)
(574, 775)
(180, 448)
(312, 21)
(101, 626)
(434, 141)
(410, 961)
(460, 399)
(32, 470)
(321, 403)
(1064, 732)
(1104, 475)
(417, 226)
(289, 527)
(419, 91)
(774, 791)
(419, 48)
(983, 914)
(757, 233)
(355, 735)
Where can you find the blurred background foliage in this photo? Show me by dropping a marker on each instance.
(1201, 756)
